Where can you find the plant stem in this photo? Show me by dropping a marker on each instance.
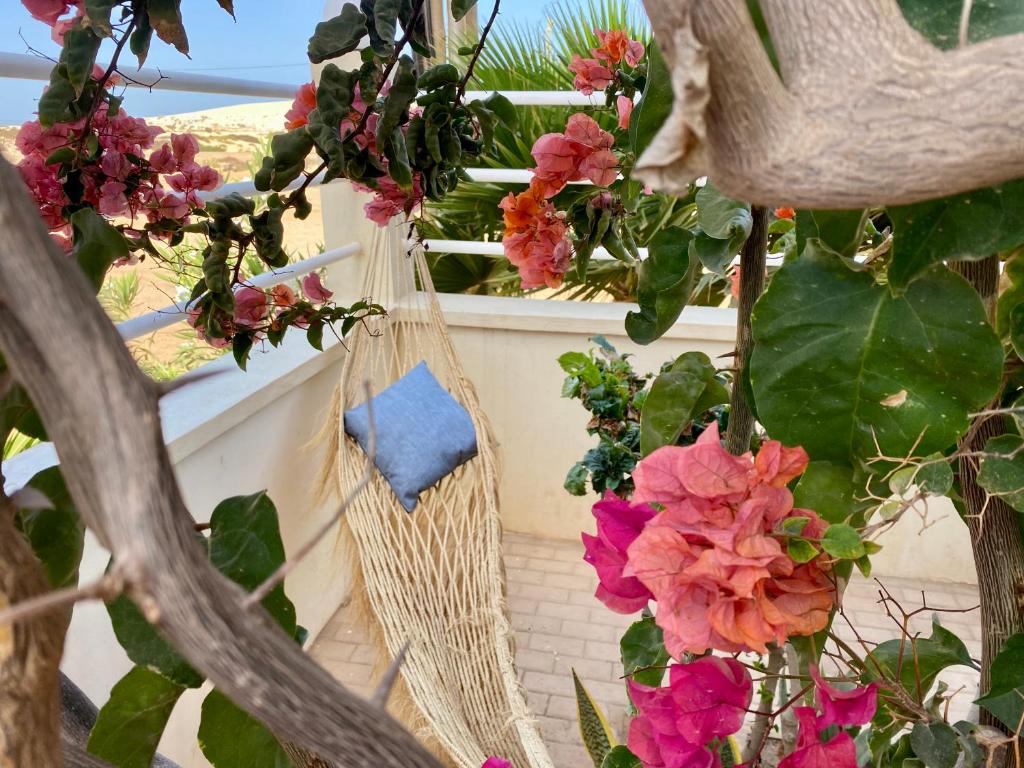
(994, 526)
(476, 53)
(762, 720)
(752, 265)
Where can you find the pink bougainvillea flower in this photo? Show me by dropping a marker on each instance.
(812, 752)
(851, 707)
(47, 11)
(583, 151)
(704, 700)
(250, 306)
(615, 46)
(185, 147)
(624, 109)
(305, 102)
(113, 201)
(712, 558)
(314, 288)
(712, 695)
(618, 524)
(590, 75)
(535, 238)
(496, 762)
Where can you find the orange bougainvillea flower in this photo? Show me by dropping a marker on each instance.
(784, 213)
(616, 46)
(582, 152)
(535, 238)
(714, 558)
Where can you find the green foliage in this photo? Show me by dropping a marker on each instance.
(939, 20)
(841, 231)
(830, 490)
(338, 36)
(675, 398)
(643, 652)
(57, 534)
(967, 227)
(654, 105)
(231, 738)
(621, 757)
(936, 743)
(846, 369)
(97, 245)
(917, 663)
(724, 226)
(595, 732)
(129, 726)
(119, 294)
(165, 19)
(664, 281)
(1002, 469)
(842, 542)
(1005, 697)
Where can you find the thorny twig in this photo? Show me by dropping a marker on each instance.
(109, 586)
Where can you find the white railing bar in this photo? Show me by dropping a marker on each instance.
(168, 316)
(481, 248)
(24, 66)
(508, 176)
(544, 98)
(247, 188)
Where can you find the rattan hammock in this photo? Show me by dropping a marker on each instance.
(435, 578)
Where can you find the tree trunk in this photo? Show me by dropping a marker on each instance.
(994, 526)
(753, 258)
(30, 654)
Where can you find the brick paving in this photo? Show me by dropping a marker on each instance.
(560, 626)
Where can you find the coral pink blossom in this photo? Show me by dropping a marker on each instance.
(624, 109)
(305, 102)
(704, 700)
(535, 238)
(496, 762)
(195, 319)
(314, 288)
(616, 46)
(851, 707)
(48, 11)
(250, 306)
(785, 213)
(713, 558)
(812, 752)
(618, 524)
(283, 296)
(583, 151)
(113, 201)
(590, 75)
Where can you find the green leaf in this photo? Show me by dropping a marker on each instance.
(165, 18)
(842, 541)
(716, 255)
(576, 480)
(55, 102)
(723, 218)
(939, 20)
(57, 535)
(1002, 471)
(594, 729)
(97, 245)
(933, 654)
(400, 96)
(241, 344)
(81, 45)
(672, 402)
(231, 738)
(338, 36)
(129, 726)
(802, 550)
(503, 108)
(963, 227)
(245, 545)
(146, 647)
(1005, 697)
(97, 16)
(461, 7)
(935, 478)
(829, 489)
(656, 103)
(842, 231)
(621, 757)
(663, 285)
(385, 19)
(832, 348)
(141, 39)
(643, 648)
(936, 743)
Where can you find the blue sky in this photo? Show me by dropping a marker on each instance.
(262, 44)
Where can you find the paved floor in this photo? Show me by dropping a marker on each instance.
(560, 626)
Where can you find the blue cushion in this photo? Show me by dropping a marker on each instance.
(423, 433)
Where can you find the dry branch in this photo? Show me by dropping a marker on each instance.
(102, 415)
(866, 111)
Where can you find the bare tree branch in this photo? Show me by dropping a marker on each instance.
(101, 413)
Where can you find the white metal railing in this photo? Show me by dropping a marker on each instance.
(168, 316)
(484, 248)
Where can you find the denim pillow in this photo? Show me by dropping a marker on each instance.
(423, 433)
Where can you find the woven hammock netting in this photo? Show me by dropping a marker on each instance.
(433, 579)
